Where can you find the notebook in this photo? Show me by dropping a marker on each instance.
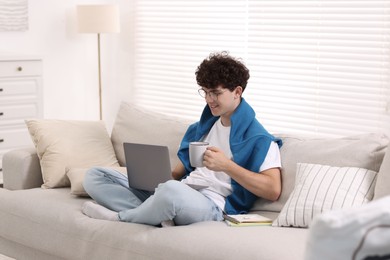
(147, 165)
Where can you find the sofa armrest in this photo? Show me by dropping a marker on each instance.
(21, 169)
(382, 186)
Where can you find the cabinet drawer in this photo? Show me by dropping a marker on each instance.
(1, 169)
(20, 68)
(18, 87)
(12, 138)
(1, 173)
(1, 164)
(23, 111)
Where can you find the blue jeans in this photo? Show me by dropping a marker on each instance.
(172, 200)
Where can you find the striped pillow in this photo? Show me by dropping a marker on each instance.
(321, 188)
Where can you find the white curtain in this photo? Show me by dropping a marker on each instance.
(317, 67)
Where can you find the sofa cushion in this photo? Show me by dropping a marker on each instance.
(320, 188)
(362, 151)
(138, 125)
(76, 178)
(51, 221)
(65, 144)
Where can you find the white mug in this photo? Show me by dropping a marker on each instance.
(197, 150)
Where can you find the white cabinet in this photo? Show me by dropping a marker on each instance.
(20, 99)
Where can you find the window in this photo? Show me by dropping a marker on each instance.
(317, 67)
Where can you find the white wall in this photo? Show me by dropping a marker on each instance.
(70, 76)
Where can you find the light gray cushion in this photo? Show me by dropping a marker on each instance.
(362, 151)
(137, 125)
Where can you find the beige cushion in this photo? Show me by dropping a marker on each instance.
(382, 187)
(321, 188)
(138, 125)
(65, 144)
(362, 151)
(76, 177)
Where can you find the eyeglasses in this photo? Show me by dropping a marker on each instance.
(212, 94)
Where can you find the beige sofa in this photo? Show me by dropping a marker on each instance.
(47, 223)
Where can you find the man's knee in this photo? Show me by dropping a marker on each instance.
(171, 186)
(170, 191)
(90, 177)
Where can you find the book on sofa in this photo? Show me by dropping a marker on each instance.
(247, 220)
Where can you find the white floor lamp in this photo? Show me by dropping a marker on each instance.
(98, 19)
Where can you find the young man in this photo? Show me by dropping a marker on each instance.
(241, 164)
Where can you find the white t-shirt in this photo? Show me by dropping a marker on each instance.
(219, 182)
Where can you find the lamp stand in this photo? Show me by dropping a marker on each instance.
(100, 78)
(99, 18)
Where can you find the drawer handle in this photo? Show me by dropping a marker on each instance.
(1, 114)
(1, 90)
(1, 140)
(19, 68)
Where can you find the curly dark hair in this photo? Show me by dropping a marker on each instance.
(220, 69)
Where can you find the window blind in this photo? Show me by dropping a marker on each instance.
(317, 67)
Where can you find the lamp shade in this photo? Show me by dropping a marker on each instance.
(98, 18)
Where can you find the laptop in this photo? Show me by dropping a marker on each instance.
(147, 165)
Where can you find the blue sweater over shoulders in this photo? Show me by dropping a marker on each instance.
(249, 143)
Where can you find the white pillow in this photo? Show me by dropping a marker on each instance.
(320, 188)
(63, 144)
